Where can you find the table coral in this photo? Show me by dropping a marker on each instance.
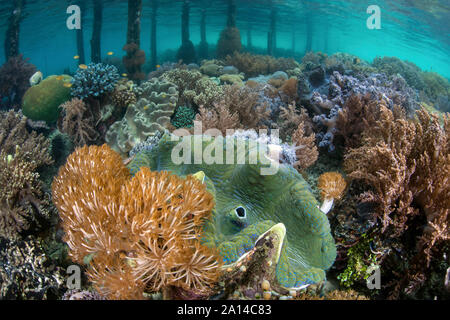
(248, 204)
(149, 115)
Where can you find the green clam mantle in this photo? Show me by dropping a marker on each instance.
(248, 204)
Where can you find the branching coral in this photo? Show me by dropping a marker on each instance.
(124, 93)
(78, 122)
(94, 81)
(245, 103)
(137, 235)
(218, 118)
(14, 79)
(306, 149)
(22, 202)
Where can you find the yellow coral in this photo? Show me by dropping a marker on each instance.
(137, 234)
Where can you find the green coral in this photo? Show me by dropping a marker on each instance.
(248, 204)
(41, 101)
(183, 117)
(360, 259)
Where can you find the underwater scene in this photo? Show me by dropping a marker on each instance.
(224, 150)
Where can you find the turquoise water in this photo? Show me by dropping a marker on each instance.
(414, 30)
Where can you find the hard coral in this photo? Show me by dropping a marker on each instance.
(137, 235)
(94, 81)
(14, 79)
(41, 101)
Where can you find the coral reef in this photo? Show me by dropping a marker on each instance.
(94, 81)
(131, 236)
(41, 101)
(23, 205)
(149, 115)
(14, 80)
(248, 204)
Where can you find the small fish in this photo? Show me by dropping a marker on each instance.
(36, 78)
(164, 95)
(124, 75)
(158, 66)
(59, 78)
(67, 85)
(356, 60)
(146, 107)
(110, 53)
(83, 66)
(76, 57)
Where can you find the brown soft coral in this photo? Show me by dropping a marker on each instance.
(137, 234)
(77, 120)
(218, 118)
(306, 149)
(407, 164)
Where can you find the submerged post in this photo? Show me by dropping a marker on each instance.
(203, 47)
(186, 52)
(80, 36)
(134, 22)
(153, 42)
(13, 30)
(249, 37)
(96, 32)
(230, 38)
(271, 35)
(135, 57)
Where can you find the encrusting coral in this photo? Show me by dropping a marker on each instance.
(137, 234)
